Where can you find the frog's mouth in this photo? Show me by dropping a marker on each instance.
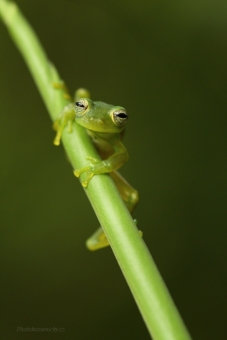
(94, 124)
(97, 125)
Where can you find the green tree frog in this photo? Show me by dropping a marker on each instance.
(104, 123)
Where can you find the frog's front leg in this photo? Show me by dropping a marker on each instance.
(61, 86)
(114, 162)
(89, 169)
(66, 118)
(102, 166)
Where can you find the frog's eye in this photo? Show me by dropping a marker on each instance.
(119, 117)
(81, 106)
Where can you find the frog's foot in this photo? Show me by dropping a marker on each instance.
(88, 177)
(61, 86)
(139, 231)
(59, 128)
(89, 169)
(81, 93)
(97, 241)
(65, 119)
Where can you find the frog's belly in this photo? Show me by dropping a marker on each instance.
(104, 149)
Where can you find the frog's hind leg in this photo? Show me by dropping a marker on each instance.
(97, 241)
(129, 195)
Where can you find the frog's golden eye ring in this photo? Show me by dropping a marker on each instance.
(81, 106)
(119, 117)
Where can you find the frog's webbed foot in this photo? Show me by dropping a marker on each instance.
(89, 169)
(99, 240)
(139, 231)
(88, 176)
(65, 119)
(61, 86)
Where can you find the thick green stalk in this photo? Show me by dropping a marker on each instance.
(153, 299)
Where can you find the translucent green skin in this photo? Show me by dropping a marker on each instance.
(104, 124)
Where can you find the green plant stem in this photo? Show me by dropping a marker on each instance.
(153, 299)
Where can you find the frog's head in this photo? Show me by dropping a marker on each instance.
(99, 116)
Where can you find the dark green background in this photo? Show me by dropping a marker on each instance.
(166, 62)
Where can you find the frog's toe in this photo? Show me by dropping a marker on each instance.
(57, 138)
(70, 126)
(77, 173)
(140, 233)
(93, 160)
(87, 179)
(84, 183)
(67, 96)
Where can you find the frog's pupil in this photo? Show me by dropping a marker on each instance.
(122, 115)
(79, 104)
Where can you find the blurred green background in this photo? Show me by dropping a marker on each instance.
(166, 62)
